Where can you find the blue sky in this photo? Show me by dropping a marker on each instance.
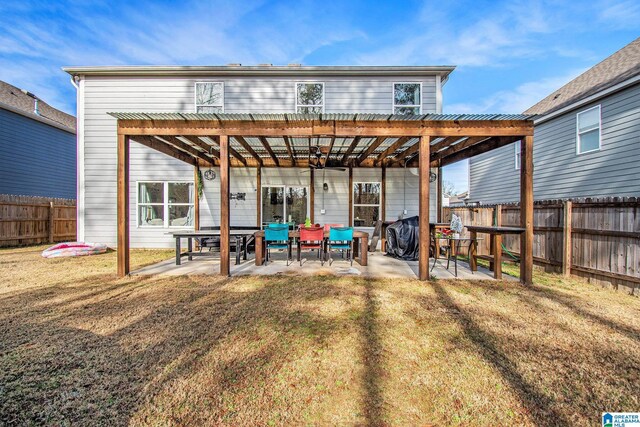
(509, 54)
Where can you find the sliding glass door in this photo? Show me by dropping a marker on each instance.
(284, 204)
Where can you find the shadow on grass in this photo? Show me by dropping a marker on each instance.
(55, 372)
(371, 354)
(538, 405)
(569, 303)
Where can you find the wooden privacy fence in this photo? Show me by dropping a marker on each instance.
(594, 238)
(26, 220)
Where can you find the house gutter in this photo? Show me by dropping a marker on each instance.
(260, 70)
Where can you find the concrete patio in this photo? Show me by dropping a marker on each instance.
(379, 266)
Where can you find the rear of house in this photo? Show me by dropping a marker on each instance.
(37, 146)
(587, 139)
(163, 189)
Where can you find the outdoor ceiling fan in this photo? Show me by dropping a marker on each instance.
(316, 154)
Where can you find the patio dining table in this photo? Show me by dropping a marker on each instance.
(454, 248)
(360, 246)
(495, 235)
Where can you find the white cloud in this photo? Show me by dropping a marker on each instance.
(516, 100)
(621, 14)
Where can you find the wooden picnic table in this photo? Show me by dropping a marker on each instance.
(495, 236)
(241, 242)
(360, 245)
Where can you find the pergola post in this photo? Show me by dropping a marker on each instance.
(312, 195)
(123, 205)
(423, 166)
(526, 210)
(224, 206)
(259, 197)
(439, 195)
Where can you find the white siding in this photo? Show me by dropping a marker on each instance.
(242, 94)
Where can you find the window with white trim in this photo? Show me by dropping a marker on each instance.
(310, 97)
(588, 130)
(518, 154)
(407, 98)
(165, 204)
(209, 97)
(366, 203)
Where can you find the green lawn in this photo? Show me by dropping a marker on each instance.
(79, 346)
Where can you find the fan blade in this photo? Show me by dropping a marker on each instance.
(336, 168)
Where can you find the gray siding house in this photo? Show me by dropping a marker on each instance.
(162, 188)
(586, 142)
(37, 146)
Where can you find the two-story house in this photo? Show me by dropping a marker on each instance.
(163, 190)
(37, 146)
(586, 142)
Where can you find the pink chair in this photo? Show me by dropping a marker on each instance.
(327, 227)
(311, 238)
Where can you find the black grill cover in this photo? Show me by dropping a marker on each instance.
(402, 239)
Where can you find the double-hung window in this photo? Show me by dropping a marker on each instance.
(310, 97)
(366, 203)
(588, 130)
(209, 97)
(165, 204)
(407, 98)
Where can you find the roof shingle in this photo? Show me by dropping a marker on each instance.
(14, 97)
(621, 66)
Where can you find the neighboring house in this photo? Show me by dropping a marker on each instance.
(458, 199)
(37, 146)
(162, 188)
(586, 142)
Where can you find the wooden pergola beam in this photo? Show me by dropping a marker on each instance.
(444, 143)
(265, 144)
(339, 128)
(392, 148)
(370, 149)
(474, 150)
(424, 171)
(247, 147)
(164, 148)
(292, 155)
(407, 153)
(123, 205)
(526, 210)
(453, 149)
(209, 149)
(232, 151)
(224, 207)
(331, 143)
(352, 147)
(180, 145)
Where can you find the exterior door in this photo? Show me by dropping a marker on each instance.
(284, 204)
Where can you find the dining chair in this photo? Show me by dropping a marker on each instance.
(277, 238)
(340, 238)
(311, 238)
(327, 227)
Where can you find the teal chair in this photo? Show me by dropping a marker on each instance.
(340, 238)
(277, 238)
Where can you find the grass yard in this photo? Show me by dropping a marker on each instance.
(80, 347)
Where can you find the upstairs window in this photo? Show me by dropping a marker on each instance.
(309, 98)
(588, 130)
(407, 98)
(518, 153)
(209, 97)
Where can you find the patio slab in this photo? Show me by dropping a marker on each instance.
(379, 266)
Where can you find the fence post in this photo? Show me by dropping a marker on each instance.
(566, 234)
(498, 215)
(51, 222)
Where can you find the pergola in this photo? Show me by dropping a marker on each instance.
(352, 140)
